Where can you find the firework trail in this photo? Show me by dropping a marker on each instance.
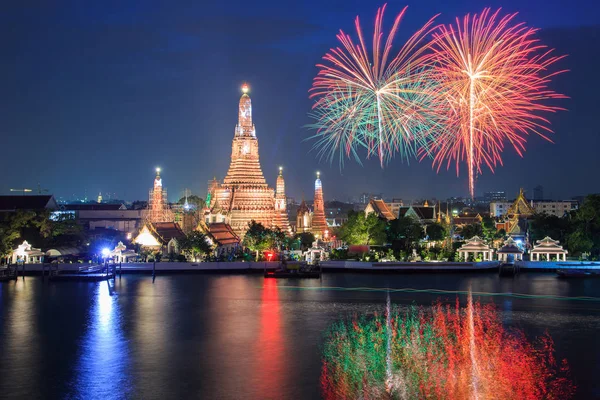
(491, 81)
(373, 101)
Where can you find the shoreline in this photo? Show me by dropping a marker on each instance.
(327, 266)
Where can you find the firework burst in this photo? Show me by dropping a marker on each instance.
(372, 101)
(491, 81)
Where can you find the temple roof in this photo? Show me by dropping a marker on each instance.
(474, 244)
(167, 231)
(303, 208)
(548, 245)
(420, 212)
(521, 206)
(467, 220)
(222, 234)
(381, 209)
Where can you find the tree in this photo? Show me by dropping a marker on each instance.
(584, 236)
(543, 225)
(468, 231)
(374, 229)
(64, 230)
(436, 232)
(489, 230)
(361, 229)
(259, 239)
(192, 200)
(196, 244)
(404, 232)
(306, 239)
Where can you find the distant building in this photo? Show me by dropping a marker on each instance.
(394, 206)
(494, 196)
(105, 216)
(549, 207)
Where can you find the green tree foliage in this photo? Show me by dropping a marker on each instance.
(436, 232)
(404, 232)
(41, 229)
(193, 200)
(195, 244)
(489, 231)
(468, 231)
(306, 239)
(361, 229)
(259, 239)
(584, 236)
(543, 225)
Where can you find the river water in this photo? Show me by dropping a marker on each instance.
(241, 336)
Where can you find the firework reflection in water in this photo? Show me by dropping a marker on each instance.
(448, 352)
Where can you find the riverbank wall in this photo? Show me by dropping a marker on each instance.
(327, 266)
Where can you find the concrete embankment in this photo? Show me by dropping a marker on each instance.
(328, 266)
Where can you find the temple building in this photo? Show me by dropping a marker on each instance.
(514, 221)
(380, 208)
(281, 219)
(244, 195)
(304, 218)
(424, 214)
(164, 237)
(319, 223)
(158, 206)
(548, 249)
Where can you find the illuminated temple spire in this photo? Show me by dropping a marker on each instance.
(244, 195)
(245, 127)
(319, 223)
(158, 207)
(281, 219)
(245, 164)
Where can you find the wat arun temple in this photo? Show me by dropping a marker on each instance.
(244, 195)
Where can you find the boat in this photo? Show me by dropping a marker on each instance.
(577, 273)
(294, 270)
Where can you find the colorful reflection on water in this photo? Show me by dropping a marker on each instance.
(447, 352)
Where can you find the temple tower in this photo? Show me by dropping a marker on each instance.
(319, 224)
(281, 219)
(158, 206)
(244, 194)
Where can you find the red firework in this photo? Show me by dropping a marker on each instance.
(491, 82)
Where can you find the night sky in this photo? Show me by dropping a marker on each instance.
(96, 94)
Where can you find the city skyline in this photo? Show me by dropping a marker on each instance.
(103, 126)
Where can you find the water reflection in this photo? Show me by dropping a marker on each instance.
(102, 367)
(21, 339)
(270, 346)
(152, 315)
